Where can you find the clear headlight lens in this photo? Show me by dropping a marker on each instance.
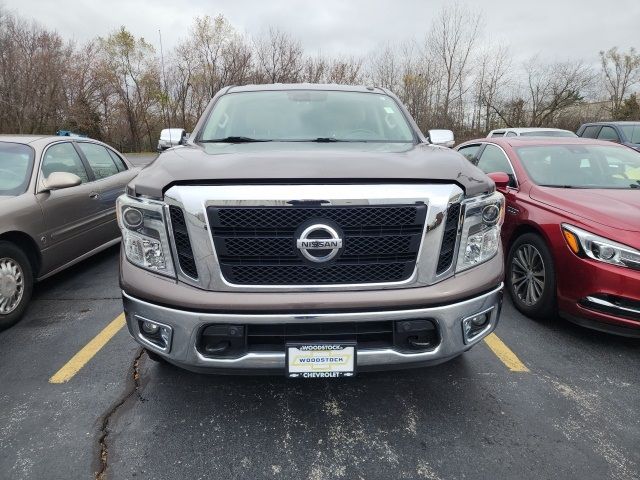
(600, 248)
(144, 234)
(480, 240)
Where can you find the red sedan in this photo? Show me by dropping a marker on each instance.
(572, 228)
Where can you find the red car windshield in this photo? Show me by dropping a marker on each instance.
(581, 166)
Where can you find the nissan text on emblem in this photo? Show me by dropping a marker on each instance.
(310, 242)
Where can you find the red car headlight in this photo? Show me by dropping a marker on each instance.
(599, 248)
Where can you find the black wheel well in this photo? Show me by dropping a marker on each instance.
(521, 230)
(28, 246)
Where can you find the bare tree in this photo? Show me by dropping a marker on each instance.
(279, 57)
(492, 77)
(452, 41)
(621, 71)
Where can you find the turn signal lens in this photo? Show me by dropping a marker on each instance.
(572, 241)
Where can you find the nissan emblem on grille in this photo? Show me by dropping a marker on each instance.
(329, 242)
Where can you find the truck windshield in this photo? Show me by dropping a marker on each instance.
(581, 166)
(307, 115)
(16, 162)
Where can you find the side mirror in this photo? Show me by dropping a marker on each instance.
(444, 138)
(58, 180)
(501, 179)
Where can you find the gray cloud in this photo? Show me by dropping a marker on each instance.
(554, 29)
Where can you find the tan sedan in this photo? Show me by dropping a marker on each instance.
(57, 207)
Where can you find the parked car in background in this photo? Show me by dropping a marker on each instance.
(171, 137)
(572, 228)
(57, 207)
(530, 132)
(626, 133)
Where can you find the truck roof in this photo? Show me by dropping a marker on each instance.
(305, 86)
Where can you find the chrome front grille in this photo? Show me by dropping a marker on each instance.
(257, 245)
(243, 237)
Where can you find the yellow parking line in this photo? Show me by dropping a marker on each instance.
(505, 354)
(87, 352)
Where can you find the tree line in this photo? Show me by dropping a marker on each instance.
(119, 88)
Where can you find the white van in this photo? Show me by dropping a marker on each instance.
(170, 137)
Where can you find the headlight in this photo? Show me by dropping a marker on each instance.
(144, 234)
(480, 240)
(598, 248)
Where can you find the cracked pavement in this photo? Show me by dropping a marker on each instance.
(123, 416)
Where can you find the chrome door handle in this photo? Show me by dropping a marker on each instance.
(94, 195)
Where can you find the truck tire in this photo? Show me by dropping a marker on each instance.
(531, 277)
(16, 283)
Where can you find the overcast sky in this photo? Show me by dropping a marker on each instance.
(555, 29)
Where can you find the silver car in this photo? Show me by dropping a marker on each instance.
(57, 207)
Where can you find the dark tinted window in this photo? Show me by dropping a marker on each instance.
(62, 157)
(608, 133)
(16, 162)
(99, 160)
(591, 131)
(498, 134)
(470, 152)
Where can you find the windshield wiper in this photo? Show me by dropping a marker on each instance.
(234, 139)
(560, 186)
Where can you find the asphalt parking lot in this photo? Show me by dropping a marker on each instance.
(547, 400)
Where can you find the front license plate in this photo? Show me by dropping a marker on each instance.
(321, 360)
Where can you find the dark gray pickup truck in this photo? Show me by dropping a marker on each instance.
(310, 230)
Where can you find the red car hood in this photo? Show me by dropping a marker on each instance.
(613, 208)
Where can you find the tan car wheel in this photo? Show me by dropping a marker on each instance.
(16, 283)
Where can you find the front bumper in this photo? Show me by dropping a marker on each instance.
(606, 297)
(186, 327)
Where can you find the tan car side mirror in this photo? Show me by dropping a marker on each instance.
(58, 180)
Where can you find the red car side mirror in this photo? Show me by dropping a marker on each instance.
(501, 179)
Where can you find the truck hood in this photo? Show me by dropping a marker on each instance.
(613, 208)
(300, 162)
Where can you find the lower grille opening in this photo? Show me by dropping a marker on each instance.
(368, 335)
(228, 341)
(613, 305)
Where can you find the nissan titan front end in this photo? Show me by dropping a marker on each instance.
(312, 231)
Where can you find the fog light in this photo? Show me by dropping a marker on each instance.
(474, 326)
(150, 328)
(479, 320)
(155, 334)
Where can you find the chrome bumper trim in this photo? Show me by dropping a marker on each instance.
(187, 325)
(611, 306)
